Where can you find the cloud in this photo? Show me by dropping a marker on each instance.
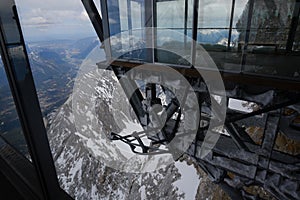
(51, 11)
(50, 4)
(39, 21)
(71, 16)
(84, 16)
(53, 19)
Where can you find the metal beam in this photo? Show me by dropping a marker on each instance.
(106, 32)
(129, 21)
(231, 24)
(18, 71)
(186, 10)
(235, 136)
(270, 135)
(195, 31)
(229, 77)
(247, 35)
(94, 17)
(147, 8)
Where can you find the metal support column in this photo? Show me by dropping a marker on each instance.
(186, 10)
(16, 63)
(195, 31)
(269, 138)
(129, 21)
(231, 24)
(106, 32)
(247, 35)
(94, 17)
(148, 7)
(235, 136)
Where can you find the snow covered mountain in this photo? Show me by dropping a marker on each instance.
(79, 159)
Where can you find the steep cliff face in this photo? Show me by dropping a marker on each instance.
(270, 21)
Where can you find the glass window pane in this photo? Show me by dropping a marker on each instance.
(9, 22)
(270, 27)
(123, 16)
(214, 13)
(213, 31)
(170, 14)
(173, 34)
(126, 24)
(213, 23)
(59, 37)
(10, 127)
(273, 65)
(239, 10)
(270, 23)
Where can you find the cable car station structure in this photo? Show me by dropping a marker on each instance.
(260, 67)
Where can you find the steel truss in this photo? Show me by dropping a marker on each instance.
(248, 162)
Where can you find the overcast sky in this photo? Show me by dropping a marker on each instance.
(63, 19)
(54, 19)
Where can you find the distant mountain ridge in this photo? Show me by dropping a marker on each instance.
(54, 66)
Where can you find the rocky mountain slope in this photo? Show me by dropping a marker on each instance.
(270, 21)
(84, 175)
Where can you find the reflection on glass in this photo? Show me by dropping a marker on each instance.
(19, 59)
(10, 128)
(239, 9)
(269, 33)
(171, 14)
(270, 23)
(213, 26)
(296, 46)
(8, 21)
(214, 14)
(214, 23)
(127, 22)
(213, 37)
(258, 38)
(214, 33)
(174, 31)
(173, 48)
(273, 65)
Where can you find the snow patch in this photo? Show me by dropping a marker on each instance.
(189, 181)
